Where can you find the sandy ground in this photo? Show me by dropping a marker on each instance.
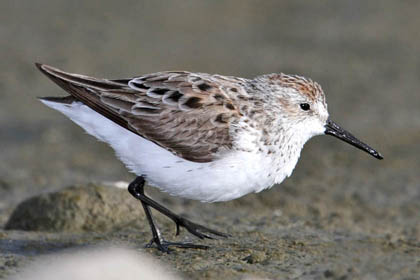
(342, 214)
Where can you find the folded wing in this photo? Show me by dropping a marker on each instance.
(186, 113)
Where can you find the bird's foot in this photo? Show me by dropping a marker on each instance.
(163, 245)
(196, 229)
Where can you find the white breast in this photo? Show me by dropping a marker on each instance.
(235, 175)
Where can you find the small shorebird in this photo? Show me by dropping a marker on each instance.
(199, 136)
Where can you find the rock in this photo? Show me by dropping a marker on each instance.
(78, 208)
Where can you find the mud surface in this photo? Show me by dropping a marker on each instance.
(342, 214)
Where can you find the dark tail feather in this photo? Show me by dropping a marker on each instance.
(84, 89)
(59, 99)
(80, 80)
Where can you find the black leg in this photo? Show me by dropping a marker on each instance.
(136, 188)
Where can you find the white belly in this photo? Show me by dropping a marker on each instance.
(233, 176)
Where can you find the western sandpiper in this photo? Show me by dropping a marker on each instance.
(199, 136)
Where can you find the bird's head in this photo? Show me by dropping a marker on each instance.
(304, 110)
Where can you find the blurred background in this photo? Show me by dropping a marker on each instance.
(365, 54)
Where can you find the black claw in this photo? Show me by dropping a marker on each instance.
(207, 236)
(177, 229)
(188, 245)
(163, 245)
(195, 228)
(198, 234)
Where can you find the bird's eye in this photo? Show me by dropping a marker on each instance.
(305, 106)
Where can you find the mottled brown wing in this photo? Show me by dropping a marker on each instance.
(186, 113)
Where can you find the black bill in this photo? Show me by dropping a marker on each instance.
(335, 130)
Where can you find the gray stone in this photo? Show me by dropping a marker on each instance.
(77, 208)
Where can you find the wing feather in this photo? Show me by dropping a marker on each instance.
(188, 114)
